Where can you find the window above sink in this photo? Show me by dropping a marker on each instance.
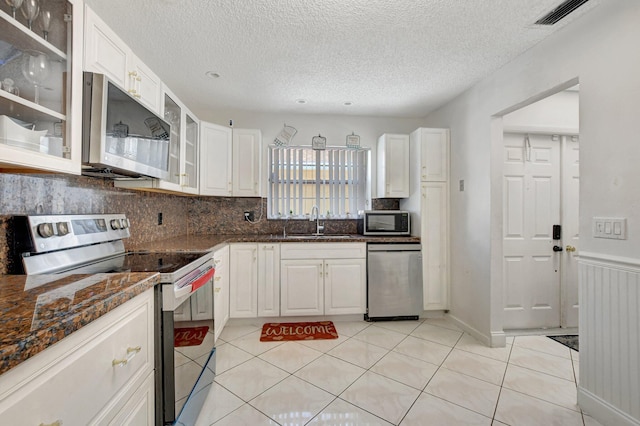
(334, 179)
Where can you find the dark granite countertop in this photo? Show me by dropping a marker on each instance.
(37, 311)
(212, 242)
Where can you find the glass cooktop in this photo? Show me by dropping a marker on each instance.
(165, 263)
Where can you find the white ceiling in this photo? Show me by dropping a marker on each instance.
(394, 58)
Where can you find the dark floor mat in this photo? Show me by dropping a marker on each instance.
(570, 341)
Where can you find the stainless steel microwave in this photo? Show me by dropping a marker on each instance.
(120, 136)
(385, 222)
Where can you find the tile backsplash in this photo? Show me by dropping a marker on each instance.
(62, 194)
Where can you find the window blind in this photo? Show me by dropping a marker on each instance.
(334, 179)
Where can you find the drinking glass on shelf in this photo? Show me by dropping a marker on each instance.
(45, 23)
(15, 5)
(36, 68)
(30, 9)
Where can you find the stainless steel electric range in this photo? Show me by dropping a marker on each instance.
(81, 244)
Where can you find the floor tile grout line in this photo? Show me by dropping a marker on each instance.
(543, 400)
(546, 353)
(542, 372)
(424, 390)
(522, 393)
(542, 351)
(504, 375)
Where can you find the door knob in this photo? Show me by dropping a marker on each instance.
(557, 248)
(571, 248)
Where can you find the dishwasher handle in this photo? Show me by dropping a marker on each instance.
(402, 247)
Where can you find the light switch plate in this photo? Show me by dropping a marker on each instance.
(614, 228)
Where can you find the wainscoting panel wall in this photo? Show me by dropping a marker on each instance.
(609, 387)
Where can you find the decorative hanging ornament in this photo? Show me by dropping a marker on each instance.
(319, 142)
(285, 136)
(353, 141)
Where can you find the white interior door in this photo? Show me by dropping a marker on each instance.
(541, 189)
(570, 234)
(531, 278)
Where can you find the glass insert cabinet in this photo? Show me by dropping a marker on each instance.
(40, 85)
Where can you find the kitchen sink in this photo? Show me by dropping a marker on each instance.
(316, 237)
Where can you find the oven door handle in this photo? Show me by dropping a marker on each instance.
(182, 289)
(202, 279)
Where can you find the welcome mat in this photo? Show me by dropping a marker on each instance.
(569, 341)
(283, 331)
(189, 336)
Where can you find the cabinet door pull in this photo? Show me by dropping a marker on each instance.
(121, 362)
(134, 350)
(56, 423)
(131, 352)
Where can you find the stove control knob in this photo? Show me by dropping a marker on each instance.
(115, 223)
(45, 230)
(63, 228)
(125, 223)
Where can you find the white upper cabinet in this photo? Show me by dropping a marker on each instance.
(106, 53)
(41, 95)
(215, 160)
(230, 161)
(393, 166)
(247, 146)
(434, 153)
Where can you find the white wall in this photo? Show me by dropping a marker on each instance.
(600, 51)
(334, 127)
(556, 114)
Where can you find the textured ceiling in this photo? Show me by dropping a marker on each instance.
(395, 58)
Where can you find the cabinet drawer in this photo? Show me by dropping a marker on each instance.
(323, 250)
(76, 383)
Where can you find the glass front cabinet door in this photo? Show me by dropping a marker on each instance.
(40, 85)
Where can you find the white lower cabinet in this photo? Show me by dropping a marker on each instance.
(221, 290)
(268, 280)
(100, 374)
(301, 287)
(140, 408)
(345, 290)
(296, 279)
(243, 288)
(323, 279)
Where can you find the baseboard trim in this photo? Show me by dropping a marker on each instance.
(602, 411)
(496, 339)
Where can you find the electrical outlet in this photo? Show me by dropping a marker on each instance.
(159, 218)
(249, 216)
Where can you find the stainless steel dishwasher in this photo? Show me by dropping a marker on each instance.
(394, 281)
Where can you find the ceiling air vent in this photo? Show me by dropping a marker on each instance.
(560, 12)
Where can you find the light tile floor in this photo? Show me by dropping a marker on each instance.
(394, 373)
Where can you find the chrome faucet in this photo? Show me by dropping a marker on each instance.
(319, 228)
